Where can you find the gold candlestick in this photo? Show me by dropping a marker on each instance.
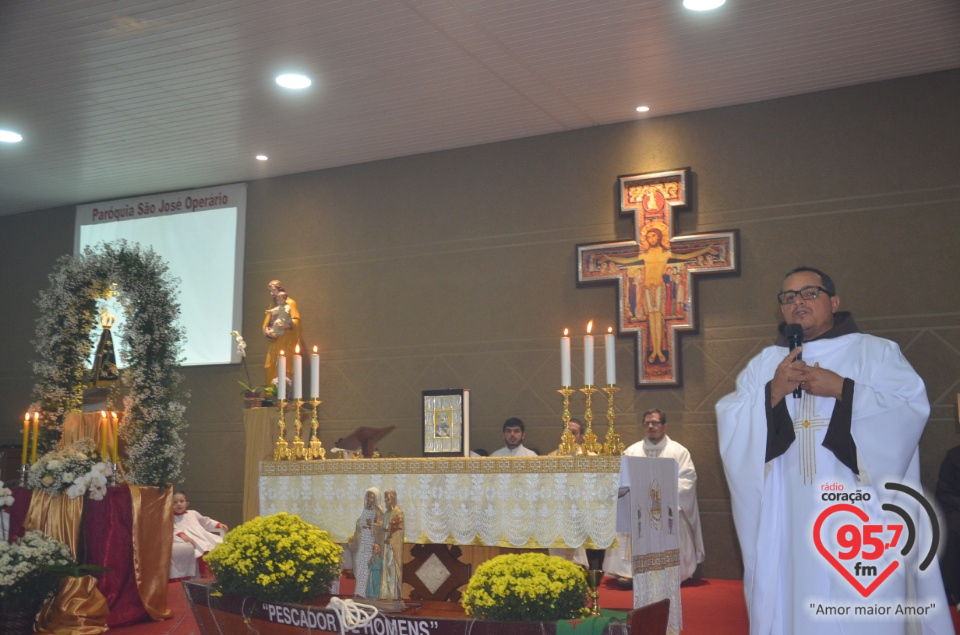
(594, 577)
(590, 445)
(613, 446)
(298, 450)
(568, 444)
(316, 450)
(280, 451)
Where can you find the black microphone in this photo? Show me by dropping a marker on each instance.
(795, 339)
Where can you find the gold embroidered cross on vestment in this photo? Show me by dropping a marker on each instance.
(805, 424)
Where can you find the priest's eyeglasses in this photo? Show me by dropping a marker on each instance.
(807, 293)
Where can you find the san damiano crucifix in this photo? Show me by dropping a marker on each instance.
(654, 271)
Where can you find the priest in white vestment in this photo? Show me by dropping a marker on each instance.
(617, 561)
(791, 456)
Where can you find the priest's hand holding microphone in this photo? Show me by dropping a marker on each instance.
(795, 376)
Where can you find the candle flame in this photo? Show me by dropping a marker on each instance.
(281, 352)
(314, 349)
(297, 350)
(26, 417)
(36, 416)
(103, 414)
(566, 332)
(609, 329)
(114, 415)
(589, 326)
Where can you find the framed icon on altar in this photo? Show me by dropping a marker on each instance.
(446, 422)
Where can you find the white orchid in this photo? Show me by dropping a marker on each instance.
(241, 344)
(242, 349)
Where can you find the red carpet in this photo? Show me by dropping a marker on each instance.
(710, 607)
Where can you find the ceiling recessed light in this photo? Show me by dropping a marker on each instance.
(10, 136)
(643, 108)
(293, 80)
(262, 157)
(703, 5)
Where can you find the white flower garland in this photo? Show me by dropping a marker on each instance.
(153, 402)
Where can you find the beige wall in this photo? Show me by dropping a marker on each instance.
(456, 269)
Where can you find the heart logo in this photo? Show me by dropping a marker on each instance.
(862, 515)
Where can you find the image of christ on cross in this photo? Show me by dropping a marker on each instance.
(654, 255)
(654, 270)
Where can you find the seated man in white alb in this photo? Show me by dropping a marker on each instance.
(513, 433)
(658, 444)
(193, 536)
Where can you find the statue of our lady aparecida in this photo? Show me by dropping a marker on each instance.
(105, 373)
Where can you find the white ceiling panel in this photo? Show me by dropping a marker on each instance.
(118, 98)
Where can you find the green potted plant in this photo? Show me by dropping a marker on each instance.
(278, 557)
(32, 569)
(528, 587)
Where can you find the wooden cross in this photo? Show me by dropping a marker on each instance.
(654, 271)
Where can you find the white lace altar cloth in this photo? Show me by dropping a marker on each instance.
(533, 502)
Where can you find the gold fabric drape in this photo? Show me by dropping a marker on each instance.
(60, 516)
(57, 516)
(77, 425)
(152, 544)
(260, 432)
(78, 609)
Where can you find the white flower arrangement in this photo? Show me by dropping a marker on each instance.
(6, 496)
(74, 470)
(286, 380)
(26, 578)
(151, 351)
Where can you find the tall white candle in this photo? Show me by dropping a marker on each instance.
(565, 358)
(314, 374)
(297, 374)
(281, 376)
(610, 343)
(588, 356)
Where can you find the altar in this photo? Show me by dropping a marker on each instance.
(535, 502)
(489, 503)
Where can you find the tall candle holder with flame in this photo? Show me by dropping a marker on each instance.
(281, 451)
(298, 451)
(613, 446)
(315, 451)
(568, 444)
(590, 444)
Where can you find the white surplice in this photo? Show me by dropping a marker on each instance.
(520, 450)
(789, 586)
(204, 531)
